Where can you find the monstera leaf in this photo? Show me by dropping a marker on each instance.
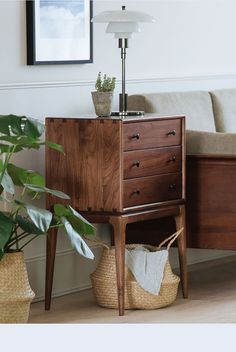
(77, 241)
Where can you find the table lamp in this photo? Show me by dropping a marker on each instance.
(123, 23)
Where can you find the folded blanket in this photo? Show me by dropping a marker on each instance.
(147, 267)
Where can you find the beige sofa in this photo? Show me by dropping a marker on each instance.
(211, 160)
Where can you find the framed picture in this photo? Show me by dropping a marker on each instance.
(59, 31)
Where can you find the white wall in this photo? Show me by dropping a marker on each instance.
(190, 47)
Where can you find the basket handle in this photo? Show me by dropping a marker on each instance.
(172, 238)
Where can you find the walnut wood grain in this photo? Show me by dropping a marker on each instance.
(119, 230)
(152, 134)
(152, 189)
(112, 166)
(211, 202)
(61, 170)
(183, 144)
(149, 162)
(50, 261)
(91, 173)
(180, 222)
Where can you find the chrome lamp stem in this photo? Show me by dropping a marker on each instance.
(123, 45)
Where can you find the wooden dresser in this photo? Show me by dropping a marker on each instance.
(119, 171)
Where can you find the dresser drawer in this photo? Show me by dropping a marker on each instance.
(151, 134)
(149, 162)
(152, 189)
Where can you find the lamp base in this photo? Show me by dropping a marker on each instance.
(127, 113)
(123, 112)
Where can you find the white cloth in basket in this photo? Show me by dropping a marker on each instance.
(147, 267)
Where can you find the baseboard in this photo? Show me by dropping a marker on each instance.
(196, 256)
(60, 293)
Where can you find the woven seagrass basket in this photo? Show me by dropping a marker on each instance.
(15, 292)
(105, 288)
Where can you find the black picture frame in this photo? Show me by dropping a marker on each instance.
(41, 49)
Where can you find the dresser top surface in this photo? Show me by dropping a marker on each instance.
(123, 119)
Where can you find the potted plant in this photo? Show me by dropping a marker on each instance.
(21, 220)
(103, 96)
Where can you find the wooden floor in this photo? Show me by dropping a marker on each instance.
(212, 299)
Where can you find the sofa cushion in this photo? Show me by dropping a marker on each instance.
(224, 107)
(196, 106)
(198, 142)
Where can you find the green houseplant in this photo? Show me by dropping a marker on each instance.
(103, 96)
(21, 220)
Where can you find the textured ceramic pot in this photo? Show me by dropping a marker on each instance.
(102, 103)
(15, 291)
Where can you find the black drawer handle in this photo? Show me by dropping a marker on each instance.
(136, 163)
(135, 136)
(172, 186)
(171, 133)
(172, 159)
(137, 192)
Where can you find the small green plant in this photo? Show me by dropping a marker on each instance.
(105, 84)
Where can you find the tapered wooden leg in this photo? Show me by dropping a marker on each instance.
(50, 260)
(119, 227)
(180, 222)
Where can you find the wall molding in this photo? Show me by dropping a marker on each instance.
(83, 83)
(60, 293)
(60, 253)
(204, 257)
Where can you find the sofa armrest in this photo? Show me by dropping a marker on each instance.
(199, 142)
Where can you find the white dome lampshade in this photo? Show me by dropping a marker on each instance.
(122, 22)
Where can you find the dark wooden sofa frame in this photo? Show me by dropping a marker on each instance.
(211, 201)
